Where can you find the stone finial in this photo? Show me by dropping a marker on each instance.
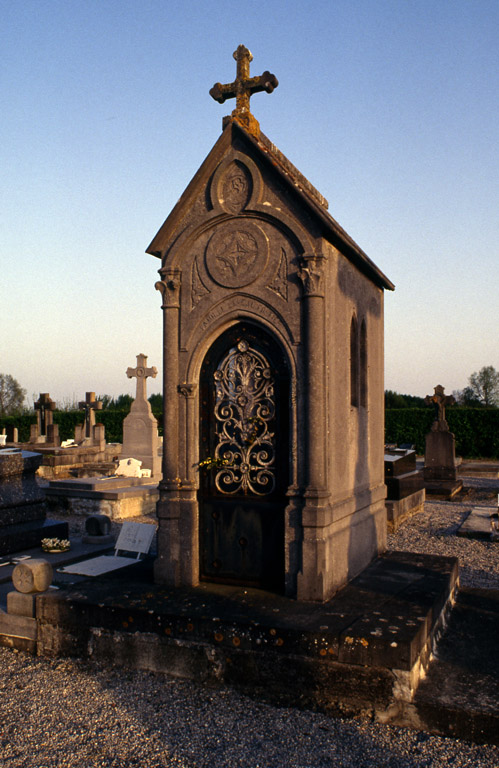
(243, 87)
(141, 373)
(439, 401)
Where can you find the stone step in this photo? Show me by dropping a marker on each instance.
(364, 649)
(479, 523)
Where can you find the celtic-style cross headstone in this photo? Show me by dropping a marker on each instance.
(439, 401)
(243, 87)
(90, 405)
(141, 373)
(44, 407)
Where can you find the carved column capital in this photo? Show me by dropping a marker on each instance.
(187, 390)
(169, 286)
(312, 275)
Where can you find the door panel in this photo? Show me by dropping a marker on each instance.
(244, 433)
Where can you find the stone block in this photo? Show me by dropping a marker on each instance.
(21, 604)
(399, 462)
(32, 576)
(399, 510)
(403, 485)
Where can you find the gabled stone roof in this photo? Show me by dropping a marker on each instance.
(310, 198)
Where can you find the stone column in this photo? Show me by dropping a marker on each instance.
(311, 584)
(187, 490)
(167, 565)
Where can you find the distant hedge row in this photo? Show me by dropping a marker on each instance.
(67, 420)
(476, 429)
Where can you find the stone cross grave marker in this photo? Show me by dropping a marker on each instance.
(440, 467)
(141, 373)
(439, 400)
(140, 428)
(44, 408)
(90, 405)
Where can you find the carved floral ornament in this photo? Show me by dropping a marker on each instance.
(169, 286)
(187, 390)
(311, 274)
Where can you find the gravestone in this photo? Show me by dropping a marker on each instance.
(405, 493)
(140, 428)
(440, 467)
(45, 431)
(273, 375)
(90, 433)
(23, 508)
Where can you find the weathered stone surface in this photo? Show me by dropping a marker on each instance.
(399, 510)
(440, 467)
(296, 652)
(21, 500)
(32, 576)
(253, 267)
(479, 524)
(140, 428)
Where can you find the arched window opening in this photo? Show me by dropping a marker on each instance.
(354, 363)
(363, 364)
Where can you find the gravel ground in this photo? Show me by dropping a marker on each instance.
(64, 712)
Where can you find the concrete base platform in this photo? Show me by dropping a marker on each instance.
(480, 523)
(445, 489)
(460, 695)
(363, 651)
(479, 469)
(60, 462)
(117, 497)
(399, 510)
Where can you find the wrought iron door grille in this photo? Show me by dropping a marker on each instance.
(244, 411)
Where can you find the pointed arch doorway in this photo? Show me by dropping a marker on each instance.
(244, 412)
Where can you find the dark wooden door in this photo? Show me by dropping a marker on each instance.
(244, 459)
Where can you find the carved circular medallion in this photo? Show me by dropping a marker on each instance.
(237, 255)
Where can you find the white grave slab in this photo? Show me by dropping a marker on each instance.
(129, 468)
(134, 537)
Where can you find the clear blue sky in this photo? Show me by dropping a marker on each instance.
(389, 107)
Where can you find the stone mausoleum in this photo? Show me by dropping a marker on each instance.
(273, 470)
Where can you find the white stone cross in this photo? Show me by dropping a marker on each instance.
(141, 373)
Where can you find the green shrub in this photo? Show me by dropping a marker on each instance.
(476, 429)
(67, 420)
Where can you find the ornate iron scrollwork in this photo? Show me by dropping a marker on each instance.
(244, 409)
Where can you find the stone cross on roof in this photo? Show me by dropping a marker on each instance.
(90, 405)
(141, 373)
(439, 400)
(244, 87)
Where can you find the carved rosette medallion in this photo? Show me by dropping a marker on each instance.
(244, 413)
(235, 188)
(237, 255)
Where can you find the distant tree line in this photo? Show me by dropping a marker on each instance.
(482, 392)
